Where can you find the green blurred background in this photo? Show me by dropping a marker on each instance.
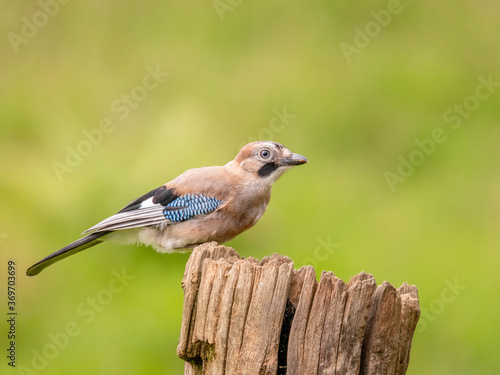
(232, 66)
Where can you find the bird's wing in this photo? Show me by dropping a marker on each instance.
(161, 206)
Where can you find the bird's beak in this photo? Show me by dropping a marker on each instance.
(295, 159)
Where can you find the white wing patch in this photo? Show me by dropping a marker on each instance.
(148, 203)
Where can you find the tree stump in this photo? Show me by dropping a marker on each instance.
(242, 316)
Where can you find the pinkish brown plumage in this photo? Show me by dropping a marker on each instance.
(201, 205)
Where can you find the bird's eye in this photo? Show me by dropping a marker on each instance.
(265, 154)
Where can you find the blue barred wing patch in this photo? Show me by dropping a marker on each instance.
(190, 205)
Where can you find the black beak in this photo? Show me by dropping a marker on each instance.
(295, 159)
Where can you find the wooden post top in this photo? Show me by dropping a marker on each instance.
(244, 316)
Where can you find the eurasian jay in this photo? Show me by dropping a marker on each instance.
(201, 205)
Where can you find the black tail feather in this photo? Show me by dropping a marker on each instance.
(72, 248)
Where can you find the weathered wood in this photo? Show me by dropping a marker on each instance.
(315, 324)
(410, 312)
(242, 316)
(357, 307)
(259, 348)
(381, 342)
(332, 327)
(191, 284)
(296, 343)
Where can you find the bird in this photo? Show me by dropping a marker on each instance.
(201, 205)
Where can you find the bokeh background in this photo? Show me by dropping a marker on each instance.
(353, 86)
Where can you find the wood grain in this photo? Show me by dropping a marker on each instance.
(242, 316)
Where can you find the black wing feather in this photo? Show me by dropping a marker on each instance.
(161, 195)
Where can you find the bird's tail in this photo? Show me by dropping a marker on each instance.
(72, 248)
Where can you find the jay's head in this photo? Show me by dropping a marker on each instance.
(267, 160)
